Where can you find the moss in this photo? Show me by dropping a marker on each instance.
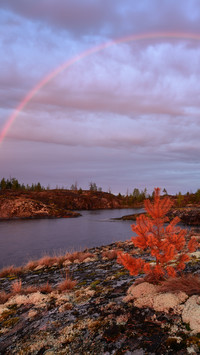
(187, 326)
(83, 283)
(94, 284)
(39, 271)
(92, 274)
(7, 313)
(10, 322)
(174, 344)
(121, 273)
(12, 277)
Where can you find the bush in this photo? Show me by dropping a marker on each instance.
(166, 244)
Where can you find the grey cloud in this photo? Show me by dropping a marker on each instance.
(117, 17)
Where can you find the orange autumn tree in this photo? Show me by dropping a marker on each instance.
(167, 244)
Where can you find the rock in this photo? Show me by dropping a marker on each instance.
(187, 215)
(53, 203)
(142, 289)
(162, 302)
(92, 318)
(146, 295)
(23, 208)
(88, 260)
(67, 262)
(39, 267)
(191, 313)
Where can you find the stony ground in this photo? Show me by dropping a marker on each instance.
(93, 317)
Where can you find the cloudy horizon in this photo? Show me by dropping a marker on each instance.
(126, 116)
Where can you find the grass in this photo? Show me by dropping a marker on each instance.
(46, 261)
(11, 270)
(110, 254)
(67, 284)
(188, 283)
(16, 287)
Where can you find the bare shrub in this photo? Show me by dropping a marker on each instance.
(188, 283)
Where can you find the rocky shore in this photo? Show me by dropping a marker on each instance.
(95, 317)
(188, 215)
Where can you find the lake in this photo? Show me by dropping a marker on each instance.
(22, 240)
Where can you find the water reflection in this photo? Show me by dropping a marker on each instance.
(21, 240)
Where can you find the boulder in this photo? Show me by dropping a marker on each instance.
(191, 313)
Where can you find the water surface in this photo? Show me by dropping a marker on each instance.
(22, 240)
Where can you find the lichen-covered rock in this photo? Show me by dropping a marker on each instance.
(147, 295)
(191, 313)
(23, 208)
(163, 302)
(143, 289)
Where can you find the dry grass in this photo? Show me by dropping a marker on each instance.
(110, 254)
(4, 297)
(16, 287)
(67, 284)
(6, 271)
(47, 261)
(78, 255)
(188, 283)
(72, 256)
(60, 259)
(46, 288)
(29, 289)
(31, 265)
(83, 256)
(11, 270)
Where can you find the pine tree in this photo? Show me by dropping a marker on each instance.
(166, 244)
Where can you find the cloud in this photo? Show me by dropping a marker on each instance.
(102, 17)
(128, 112)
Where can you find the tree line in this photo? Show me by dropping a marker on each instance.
(13, 184)
(134, 197)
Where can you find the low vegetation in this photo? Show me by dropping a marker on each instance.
(166, 244)
(45, 262)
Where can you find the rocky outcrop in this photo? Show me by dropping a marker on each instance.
(20, 207)
(93, 318)
(148, 295)
(187, 215)
(130, 217)
(53, 203)
(76, 200)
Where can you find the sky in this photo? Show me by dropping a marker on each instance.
(125, 115)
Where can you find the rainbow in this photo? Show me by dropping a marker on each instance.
(69, 63)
